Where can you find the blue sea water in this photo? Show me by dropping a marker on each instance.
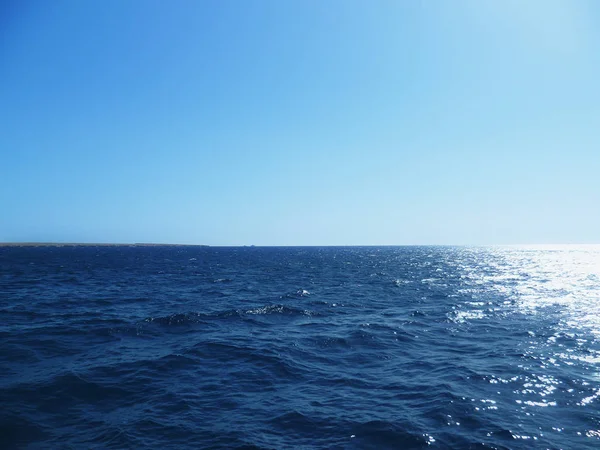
(300, 348)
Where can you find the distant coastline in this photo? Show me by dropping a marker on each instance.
(91, 244)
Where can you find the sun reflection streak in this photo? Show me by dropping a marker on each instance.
(533, 279)
(555, 290)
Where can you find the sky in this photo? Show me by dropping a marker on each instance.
(300, 122)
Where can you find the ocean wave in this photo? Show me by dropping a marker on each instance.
(193, 318)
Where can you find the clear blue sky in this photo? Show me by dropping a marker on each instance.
(302, 122)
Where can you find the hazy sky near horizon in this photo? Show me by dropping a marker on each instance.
(308, 122)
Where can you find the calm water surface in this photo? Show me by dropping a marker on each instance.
(303, 348)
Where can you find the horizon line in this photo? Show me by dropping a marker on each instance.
(159, 244)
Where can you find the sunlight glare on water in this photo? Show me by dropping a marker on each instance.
(558, 287)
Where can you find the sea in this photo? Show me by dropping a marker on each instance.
(175, 347)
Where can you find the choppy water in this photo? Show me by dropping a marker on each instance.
(275, 348)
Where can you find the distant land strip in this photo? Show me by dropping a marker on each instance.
(90, 244)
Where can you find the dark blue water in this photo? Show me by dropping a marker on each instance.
(304, 348)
